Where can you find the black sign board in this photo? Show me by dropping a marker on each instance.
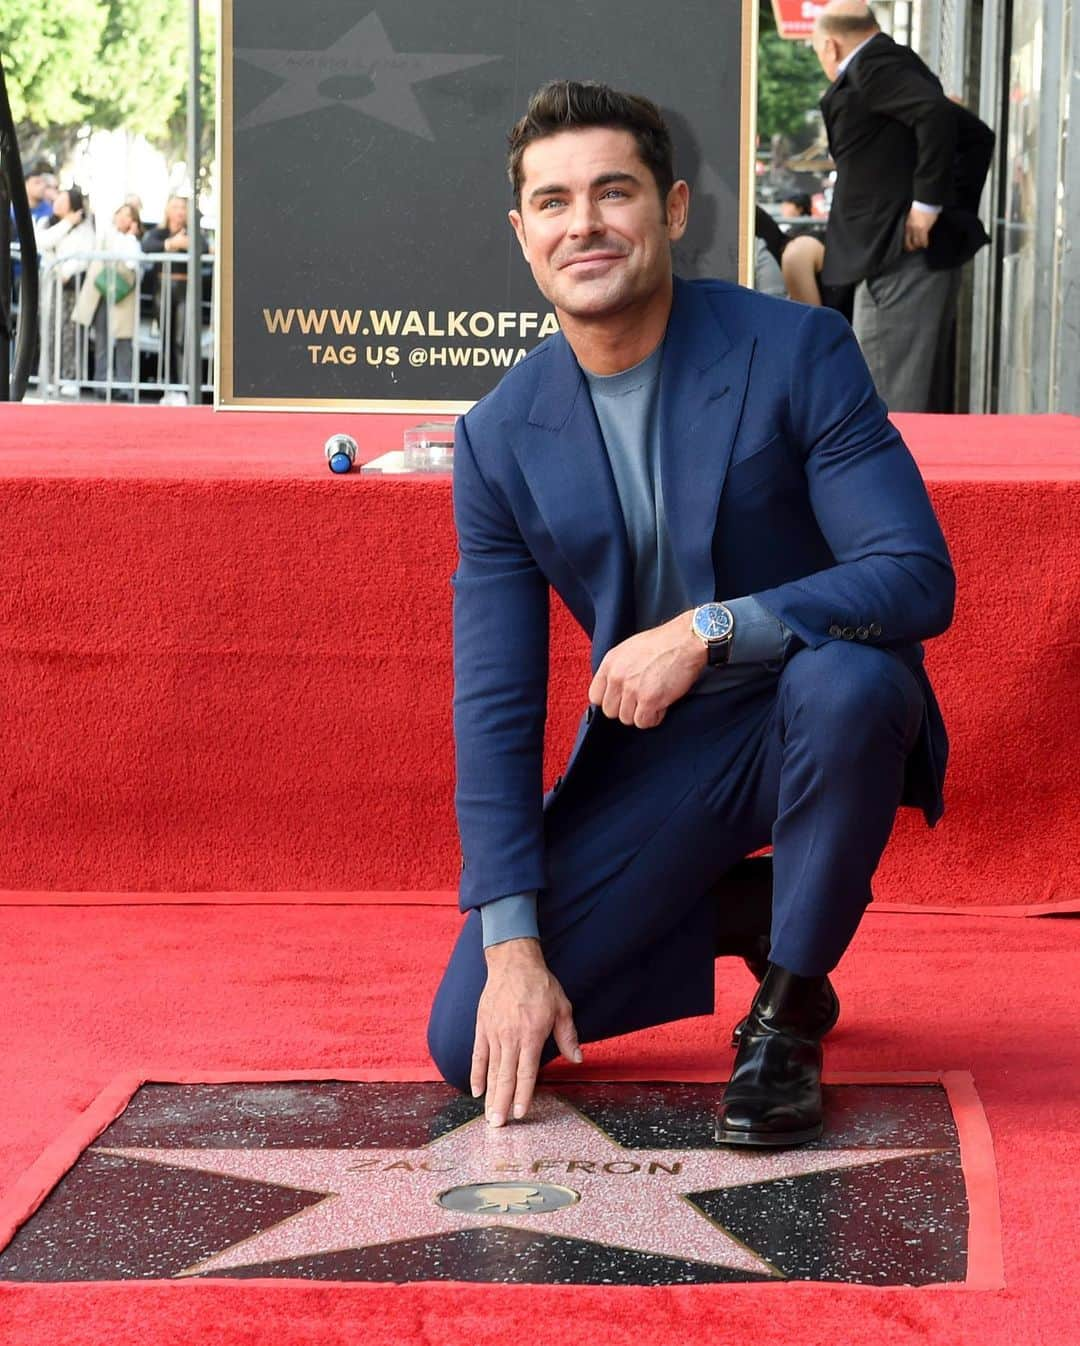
(366, 260)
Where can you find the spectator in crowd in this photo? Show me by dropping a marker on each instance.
(38, 178)
(802, 264)
(769, 245)
(791, 267)
(107, 303)
(39, 198)
(910, 166)
(171, 236)
(796, 206)
(67, 233)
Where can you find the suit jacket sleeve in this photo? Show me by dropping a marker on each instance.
(892, 574)
(974, 155)
(500, 690)
(893, 89)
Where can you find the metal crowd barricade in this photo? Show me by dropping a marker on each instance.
(157, 357)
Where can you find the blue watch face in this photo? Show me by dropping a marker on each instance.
(712, 621)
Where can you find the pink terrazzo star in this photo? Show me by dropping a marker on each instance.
(627, 1198)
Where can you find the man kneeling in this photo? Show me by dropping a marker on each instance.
(708, 479)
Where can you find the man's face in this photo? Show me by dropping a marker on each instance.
(35, 189)
(592, 225)
(789, 210)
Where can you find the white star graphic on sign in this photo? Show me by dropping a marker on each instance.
(633, 1199)
(364, 56)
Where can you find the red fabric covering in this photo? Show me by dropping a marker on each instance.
(92, 993)
(223, 668)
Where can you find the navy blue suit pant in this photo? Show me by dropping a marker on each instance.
(649, 820)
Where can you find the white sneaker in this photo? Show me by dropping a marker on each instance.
(174, 400)
(69, 390)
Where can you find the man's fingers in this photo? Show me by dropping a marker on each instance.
(598, 687)
(501, 1084)
(613, 696)
(528, 1068)
(478, 1073)
(647, 719)
(491, 1083)
(566, 1038)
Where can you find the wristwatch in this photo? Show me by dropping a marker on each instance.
(714, 625)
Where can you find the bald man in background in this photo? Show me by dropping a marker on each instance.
(910, 166)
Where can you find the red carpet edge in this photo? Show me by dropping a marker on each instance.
(30, 897)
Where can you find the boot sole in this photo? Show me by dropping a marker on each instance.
(769, 1140)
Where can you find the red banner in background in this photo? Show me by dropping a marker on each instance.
(795, 18)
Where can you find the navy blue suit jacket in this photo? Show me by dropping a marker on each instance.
(782, 478)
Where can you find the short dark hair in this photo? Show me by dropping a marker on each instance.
(801, 201)
(568, 105)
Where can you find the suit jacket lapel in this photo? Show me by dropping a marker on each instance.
(703, 385)
(567, 468)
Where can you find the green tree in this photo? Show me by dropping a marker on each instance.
(141, 67)
(790, 82)
(174, 138)
(48, 54)
(106, 65)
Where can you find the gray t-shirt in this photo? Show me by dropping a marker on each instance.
(627, 407)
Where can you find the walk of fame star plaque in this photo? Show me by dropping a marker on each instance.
(365, 260)
(605, 1183)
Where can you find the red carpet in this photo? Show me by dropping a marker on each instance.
(92, 993)
(212, 681)
(214, 678)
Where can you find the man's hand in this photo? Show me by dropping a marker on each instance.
(521, 1006)
(917, 229)
(639, 679)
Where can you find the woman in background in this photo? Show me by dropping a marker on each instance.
(108, 303)
(67, 232)
(172, 294)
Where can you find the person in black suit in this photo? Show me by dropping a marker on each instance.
(910, 166)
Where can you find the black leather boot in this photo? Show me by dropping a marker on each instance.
(743, 917)
(757, 960)
(774, 1095)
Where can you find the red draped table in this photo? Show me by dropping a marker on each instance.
(223, 669)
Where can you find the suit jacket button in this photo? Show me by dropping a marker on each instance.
(848, 633)
(875, 628)
(834, 630)
(862, 632)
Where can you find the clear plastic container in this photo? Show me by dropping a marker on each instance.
(429, 447)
